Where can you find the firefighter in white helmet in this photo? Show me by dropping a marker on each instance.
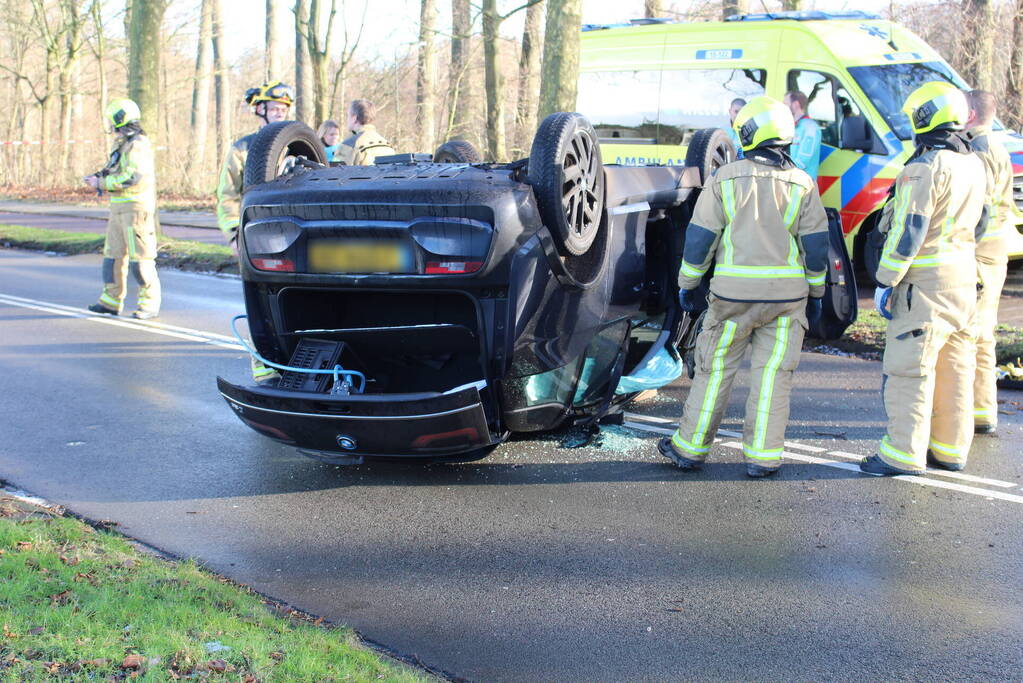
(928, 277)
(760, 221)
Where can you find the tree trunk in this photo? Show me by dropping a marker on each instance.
(982, 19)
(221, 80)
(790, 5)
(274, 63)
(320, 46)
(652, 9)
(201, 96)
(529, 77)
(1012, 112)
(97, 23)
(426, 77)
(72, 26)
(730, 7)
(459, 86)
(496, 143)
(303, 67)
(560, 73)
(144, 64)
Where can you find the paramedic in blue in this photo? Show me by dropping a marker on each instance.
(733, 111)
(806, 145)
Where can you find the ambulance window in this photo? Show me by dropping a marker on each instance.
(621, 105)
(888, 85)
(699, 98)
(820, 94)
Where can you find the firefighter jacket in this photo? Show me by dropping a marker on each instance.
(992, 247)
(130, 175)
(362, 148)
(229, 189)
(764, 227)
(935, 217)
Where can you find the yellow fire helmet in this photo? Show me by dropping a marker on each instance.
(937, 104)
(120, 112)
(274, 91)
(764, 121)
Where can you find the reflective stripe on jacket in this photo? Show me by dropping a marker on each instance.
(133, 179)
(364, 147)
(992, 248)
(765, 229)
(938, 204)
(229, 189)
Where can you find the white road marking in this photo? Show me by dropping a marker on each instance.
(184, 333)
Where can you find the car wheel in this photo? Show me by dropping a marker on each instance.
(277, 147)
(567, 177)
(710, 149)
(457, 152)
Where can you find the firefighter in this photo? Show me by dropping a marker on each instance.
(365, 143)
(992, 250)
(270, 102)
(129, 177)
(928, 292)
(761, 222)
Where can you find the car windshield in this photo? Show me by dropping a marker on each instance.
(888, 86)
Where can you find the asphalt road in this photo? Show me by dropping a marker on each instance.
(542, 562)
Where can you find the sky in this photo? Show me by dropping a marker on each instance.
(392, 26)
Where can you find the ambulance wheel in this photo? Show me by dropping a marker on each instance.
(457, 152)
(276, 149)
(567, 177)
(710, 149)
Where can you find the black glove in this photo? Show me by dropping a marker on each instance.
(687, 300)
(813, 311)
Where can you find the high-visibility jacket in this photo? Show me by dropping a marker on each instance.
(992, 247)
(362, 148)
(765, 229)
(229, 189)
(130, 175)
(935, 213)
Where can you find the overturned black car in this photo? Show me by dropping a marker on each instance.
(427, 310)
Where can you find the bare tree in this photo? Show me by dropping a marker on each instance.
(652, 9)
(338, 93)
(319, 39)
(221, 80)
(1013, 112)
(790, 5)
(274, 62)
(72, 23)
(201, 92)
(459, 88)
(99, 49)
(303, 65)
(426, 76)
(144, 61)
(981, 26)
(730, 7)
(529, 75)
(560, 73)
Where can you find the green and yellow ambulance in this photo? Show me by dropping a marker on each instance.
(647, 87)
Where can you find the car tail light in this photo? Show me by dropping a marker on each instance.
(270, 263)
(452, 267)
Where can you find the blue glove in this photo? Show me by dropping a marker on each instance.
(814, 308)
(687, 300)
(881, 297)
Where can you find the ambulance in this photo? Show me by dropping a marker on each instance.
(649, 85)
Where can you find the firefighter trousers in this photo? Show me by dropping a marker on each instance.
(985, 392)
(929, 367)
(130, 244)
(775, 331)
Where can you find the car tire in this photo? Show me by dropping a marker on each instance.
(457, 152)
(567, 177)
(710, 149)
(275, 146)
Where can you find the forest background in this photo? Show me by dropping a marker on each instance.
(482, 70)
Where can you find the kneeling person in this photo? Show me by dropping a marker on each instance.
(761, 221)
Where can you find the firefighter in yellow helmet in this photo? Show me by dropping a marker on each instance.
(992, 253)
(129, 178)
(760, 221)
(270, 102)
(928, 292)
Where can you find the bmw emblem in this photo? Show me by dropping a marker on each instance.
(346, 442)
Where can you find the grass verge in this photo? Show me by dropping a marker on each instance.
(865, 339)
(184, 254)
(81, 604)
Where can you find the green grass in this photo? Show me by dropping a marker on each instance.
(185, 254)
(78, 604)
(866, 338)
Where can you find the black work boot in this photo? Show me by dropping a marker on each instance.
(681, 462)
(759, 471)
(100, 308)
(875, 465)
(950, 466)
(983, 429)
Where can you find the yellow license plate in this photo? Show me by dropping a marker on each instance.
(345, 256)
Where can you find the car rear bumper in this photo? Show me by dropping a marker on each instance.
(387, 425)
